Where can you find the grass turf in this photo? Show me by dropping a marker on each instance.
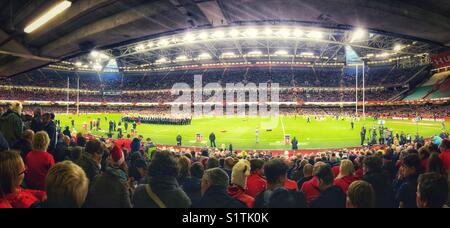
(240, 131)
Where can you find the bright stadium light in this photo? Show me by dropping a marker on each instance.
(268, 32)
(218, 34)
(97, 67)
(358, 34)
(78, 64)
(255, 53)
(204, 56)
(163, 43)
(46, 17)
(234, 33)
(189, 37)
(284, 32)
(181, 58)
(315, 35)
(95, 53)
(150, 44)
(251, 32)
(161, 60)
(203, 35)
(281, 52)
(298, 33)
(398, 47)
(228, 55)
(307, 53)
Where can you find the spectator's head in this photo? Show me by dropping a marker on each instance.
(95, 148)
(12, 172)
(37, 112)
(46, 118)
(141, 167)
(283, 198)
(372, 164)
(240, 172)
(28, 135)
(16, 107)
(212, 163)
(197, 170)
(445, 145)
(308, 170)
(317, 166)
(75, 153)
(81, 140)
(325, 177)
(275, 171)
(216, 177)
(435, 164)
(432, 191)
(228, 163)
(117, 156)
(163, 165)
(66, 140)
(410, 165)
(185, 165)
(256, 166)
(41, 141)
(424, 152)
(346, 168)
(66, 185)
(360, 194)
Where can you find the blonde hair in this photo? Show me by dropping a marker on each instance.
(41, 141)
(16, 107)
(66, 185)
(9, 172)
(240, 172)
(346, 168)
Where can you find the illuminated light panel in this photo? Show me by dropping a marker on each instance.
(234, 33)
(189, 37)
(218, 34)
(204, 56)
(298, 33)
(315, 34)
(52, 13)
(358, 34)
(281, 52)
(203, 35)
(251, 32)
(307, 53)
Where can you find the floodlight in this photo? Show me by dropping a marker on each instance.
(203, 35)
(315, 34)
(53, 12)
(189, 37)
(234, 33)
(251, 32)
(358, 34)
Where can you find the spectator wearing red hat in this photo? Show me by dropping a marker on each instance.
(111, 189)
(12, 174)
(445, 153)
(39, 161)
(255, 182)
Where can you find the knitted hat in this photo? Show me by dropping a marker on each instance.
(117, 156)
(240, 172)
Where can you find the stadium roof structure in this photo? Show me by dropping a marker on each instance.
(141, 35)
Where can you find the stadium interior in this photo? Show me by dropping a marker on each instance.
(351, 85)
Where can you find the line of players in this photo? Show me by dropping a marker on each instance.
(158, 120)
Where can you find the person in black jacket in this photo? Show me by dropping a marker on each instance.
(36, 122)
(25, 143)
(3, 143)
(380, 181)
(276, 196)
(192, 184)
(212, 138)
(50, 127)
(406, 185)
(331, 196)
(214, 191)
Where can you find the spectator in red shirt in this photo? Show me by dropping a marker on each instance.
(445, 153)
(310, 188)
(12, 174)
(424, 154)
(39, 161)
(255, 182)
(345, 176)
(307, 175)
(239, 175)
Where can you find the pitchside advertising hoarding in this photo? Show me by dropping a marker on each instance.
(441, 60)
